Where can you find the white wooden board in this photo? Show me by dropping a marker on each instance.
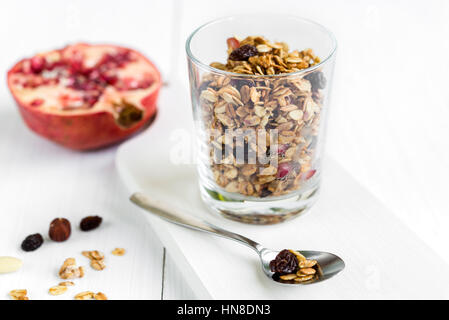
(382, 255)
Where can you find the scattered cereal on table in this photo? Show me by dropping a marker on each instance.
(19, 294)
(118, 252)
(69, 270)
(57, 290)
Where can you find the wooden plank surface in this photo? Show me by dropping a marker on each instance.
(387, 124)
(41, 181)
(175, 285)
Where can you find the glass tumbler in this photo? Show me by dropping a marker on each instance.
(260, 137)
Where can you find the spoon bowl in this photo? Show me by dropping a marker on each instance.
(328, 264)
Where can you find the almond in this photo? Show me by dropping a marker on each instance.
(9, 264)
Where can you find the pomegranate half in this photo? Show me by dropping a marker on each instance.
(85, 96)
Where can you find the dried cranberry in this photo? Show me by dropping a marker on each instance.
(32, 242)
(317, 80)
(243, 53)
(282, 149)
(283, 170)
(90, 223)
(309, 174)
(284, 263)
(233, 43)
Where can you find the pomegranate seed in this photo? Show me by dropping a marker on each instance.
(89, 86)
(130, 83)
(37, 64)
(91, 101)
(76, 65)
(116, 60)
(233, 43)
(26, 66)
(145, 83)
(18, 68)
(53, 65)
(36, 102)
(50, 81)
(65, 98)
(35, 82)
(94, 75)
(110, 79)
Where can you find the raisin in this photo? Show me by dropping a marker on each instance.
(265, 193)
(239, 83)
(243, 53)
(317, 80)
(284, 263)
(90, 223)
(32, 242)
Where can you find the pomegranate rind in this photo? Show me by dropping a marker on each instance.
(91, 130)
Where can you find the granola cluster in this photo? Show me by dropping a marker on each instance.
(69, 270)
(283, 112)
(291, 266)
(19, 294)
(89, 295)
(96, 259)
(256, 55)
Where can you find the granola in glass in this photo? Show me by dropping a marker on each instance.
(262, 129)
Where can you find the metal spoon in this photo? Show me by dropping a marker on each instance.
(329, 263)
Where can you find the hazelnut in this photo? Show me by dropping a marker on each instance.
(59, 229)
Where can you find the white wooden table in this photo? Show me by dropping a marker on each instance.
(387, 127)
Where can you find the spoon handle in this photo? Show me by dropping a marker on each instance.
(174, 215)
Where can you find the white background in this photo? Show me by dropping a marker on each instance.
(388, 126)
